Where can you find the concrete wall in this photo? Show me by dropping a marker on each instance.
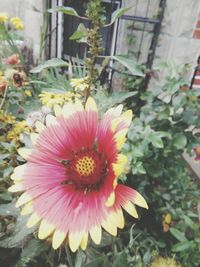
(31, 18)
(180, 35)
(177, 40)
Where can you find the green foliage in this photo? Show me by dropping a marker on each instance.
(130, 64)
(65, 10)
(51, 63)
(165, 125)
(118, 13)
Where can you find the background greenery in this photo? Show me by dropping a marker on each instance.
(166, 119)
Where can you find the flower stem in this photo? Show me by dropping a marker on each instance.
(95, 13)
(69, 258)
(4, 97)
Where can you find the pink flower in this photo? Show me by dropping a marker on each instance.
(12, 60)
(70, 180)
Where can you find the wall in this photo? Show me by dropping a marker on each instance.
(31, 18)
(180, 35)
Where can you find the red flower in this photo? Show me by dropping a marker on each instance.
(12, 60)
(70, 178)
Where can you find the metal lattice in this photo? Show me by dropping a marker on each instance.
(145, 19)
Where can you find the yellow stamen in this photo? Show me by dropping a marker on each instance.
(85, 166)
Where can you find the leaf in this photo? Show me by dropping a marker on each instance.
(5, 197)
(118, 13)
(7, 171)
(181, 246)
(189, 222)
(95, 258)
(138, 168)
(65, 10)
(79, 258)
(33, 249)
(106, 101)
(179, 141)
(20, 233)
(180, 236)
(130, 64)
(9, 210)
(120, 259)
(157, 141)
(80, 34)
(51, 63)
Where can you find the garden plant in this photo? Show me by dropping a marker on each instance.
(89, 176)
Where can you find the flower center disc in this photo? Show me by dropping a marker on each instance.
(86, 169)
(85, 166)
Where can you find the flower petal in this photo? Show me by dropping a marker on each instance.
(95, 233)
(33, 220)
(39, 126)
(27, 209)
(84, 241)
(58, 110)
(91, 105)
(25, 152)
(58, 239)
(45, 229)
(111, 200)
(75, 239)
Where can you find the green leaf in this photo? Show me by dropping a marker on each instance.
(156, 140)
(79, 259)
(106, 101)
(19, 235)
(118, 13)
(6, 197)
(33, 249)
(179, 141)
(51, 63)
(7, 171)
(138, 168)
(120, 259)
(130, 64)
(65, 10)
(180, 236)
(189, 222)
(181, 246)
(9, 210)
(80, 35)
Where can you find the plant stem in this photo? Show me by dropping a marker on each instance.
(69, 258)
(4, 97)
(95, 13)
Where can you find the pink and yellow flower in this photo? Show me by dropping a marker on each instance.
(70, 180)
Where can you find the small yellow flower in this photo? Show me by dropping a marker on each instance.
(168, 218)
(3, 17)
(166, 222)
(7, 118)
(50, 99)
(18, 128)
(79, 84)
(17, 23)
(164, 262)
(28, 92)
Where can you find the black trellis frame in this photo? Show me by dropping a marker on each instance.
(144, 20)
